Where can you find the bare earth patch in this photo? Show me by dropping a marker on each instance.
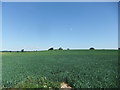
(65, 85)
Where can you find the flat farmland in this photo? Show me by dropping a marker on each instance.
(48, 69)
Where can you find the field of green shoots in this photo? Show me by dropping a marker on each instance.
(47, 69)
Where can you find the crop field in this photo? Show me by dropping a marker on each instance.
(48, 69)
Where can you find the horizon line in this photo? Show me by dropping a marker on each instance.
(66, 49)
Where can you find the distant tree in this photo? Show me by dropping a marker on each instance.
(22, 50)
(51, 49)
(118, 48)
(92, 48)
(5, 51)
(10, 51)
(60, 48)
(68, 49)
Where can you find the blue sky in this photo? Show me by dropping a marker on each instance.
(39, 26)
(0, 25)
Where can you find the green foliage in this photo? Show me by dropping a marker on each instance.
(42, 82)
(78, 68)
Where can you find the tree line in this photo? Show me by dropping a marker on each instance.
(22, 50)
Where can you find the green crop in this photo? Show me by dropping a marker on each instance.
(78, 68)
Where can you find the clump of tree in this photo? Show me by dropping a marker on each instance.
(51, 49)
(60, 48)
(118, 48)
(92, 48)
(22, 50)
(68, 49)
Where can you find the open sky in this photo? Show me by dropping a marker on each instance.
(41, 25)
(0, 25)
